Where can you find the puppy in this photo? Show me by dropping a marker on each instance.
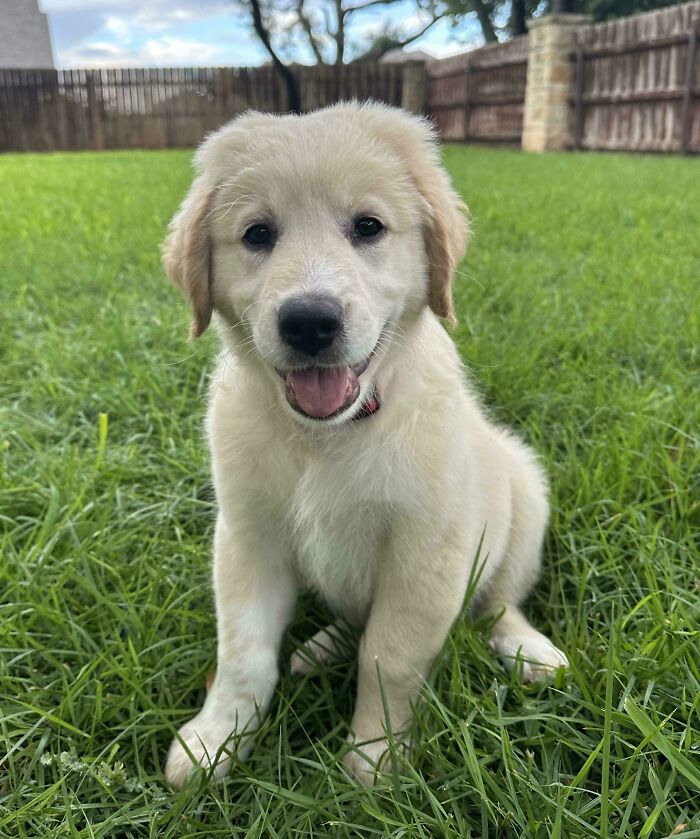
(350, 456)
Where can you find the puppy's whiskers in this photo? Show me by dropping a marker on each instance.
(471, 278)
(242, 321)
(229, 205)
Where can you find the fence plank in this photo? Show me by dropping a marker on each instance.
(578, 94)
(479, 96)
(165, 107)
(688, 92)
(639, 84)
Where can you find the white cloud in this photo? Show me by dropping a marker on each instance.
(165, 52)
(413, 23)
(97, 33)
(173, 51)
(283, 21)
(199, 32)
(151, 8)
(118, 27)
(95, 54)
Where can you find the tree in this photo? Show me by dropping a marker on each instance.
(485, 11)
(521, 11)
(291, 84)
(326, 27)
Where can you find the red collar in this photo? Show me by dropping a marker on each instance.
(370, 406)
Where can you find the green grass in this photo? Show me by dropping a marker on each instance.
(579, 318)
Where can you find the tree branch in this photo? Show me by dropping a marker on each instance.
(293, 99)
(516, 20)
(368, 5)
(412, 38)
(383, 44)
(482, 13)
(306, 26)
(339, 32)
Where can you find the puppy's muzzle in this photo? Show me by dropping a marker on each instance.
(310, 324)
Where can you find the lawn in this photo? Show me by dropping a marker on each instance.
(579, 320)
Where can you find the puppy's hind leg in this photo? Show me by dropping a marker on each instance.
(514, 639)
(325, 646)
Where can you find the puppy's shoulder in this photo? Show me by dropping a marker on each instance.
(239, 402)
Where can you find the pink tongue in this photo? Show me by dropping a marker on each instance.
(320, 392)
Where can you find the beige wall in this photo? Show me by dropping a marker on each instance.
(548, 118)
(24, 36)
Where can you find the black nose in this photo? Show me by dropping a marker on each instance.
(310, 324)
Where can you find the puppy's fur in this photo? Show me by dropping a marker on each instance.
(383, 516)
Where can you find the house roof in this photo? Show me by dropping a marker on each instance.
(398, 56)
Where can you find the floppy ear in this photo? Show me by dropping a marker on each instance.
(187, 247)
(446, 233)
(187, 254)
(444, 218)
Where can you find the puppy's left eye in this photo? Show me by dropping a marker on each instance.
(368, 227)
(258, 235)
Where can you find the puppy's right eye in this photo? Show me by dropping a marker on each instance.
(368, 227)
(258, 235)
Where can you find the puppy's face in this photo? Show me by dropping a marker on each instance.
(319, 240)
(318, 251)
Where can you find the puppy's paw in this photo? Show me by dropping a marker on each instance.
(539, 657)
(365, 762)
(298, 665)
(368, 761)
(319, 650)
(204, 741)
(303, 661)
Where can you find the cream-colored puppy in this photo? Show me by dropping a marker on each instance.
(350, 456)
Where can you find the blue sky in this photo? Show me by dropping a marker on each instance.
(142, 33)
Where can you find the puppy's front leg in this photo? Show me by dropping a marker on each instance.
(419, 593)
(254, 598)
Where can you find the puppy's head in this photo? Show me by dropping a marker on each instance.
(316, 239)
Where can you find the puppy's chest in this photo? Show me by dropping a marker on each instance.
(339, 522)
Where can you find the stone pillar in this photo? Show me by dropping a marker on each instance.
(548, 118)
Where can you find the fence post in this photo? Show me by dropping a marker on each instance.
(94, 112)
(547, 121)
(578, 96)
(414, 80)
(467, 98)
(689, 79)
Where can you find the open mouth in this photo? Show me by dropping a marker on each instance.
(324, 392)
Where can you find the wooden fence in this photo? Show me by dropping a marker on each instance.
(636, 87)
(638, 82)
(479, 96)
(47, 110)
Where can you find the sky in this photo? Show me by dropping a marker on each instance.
(162, 33)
